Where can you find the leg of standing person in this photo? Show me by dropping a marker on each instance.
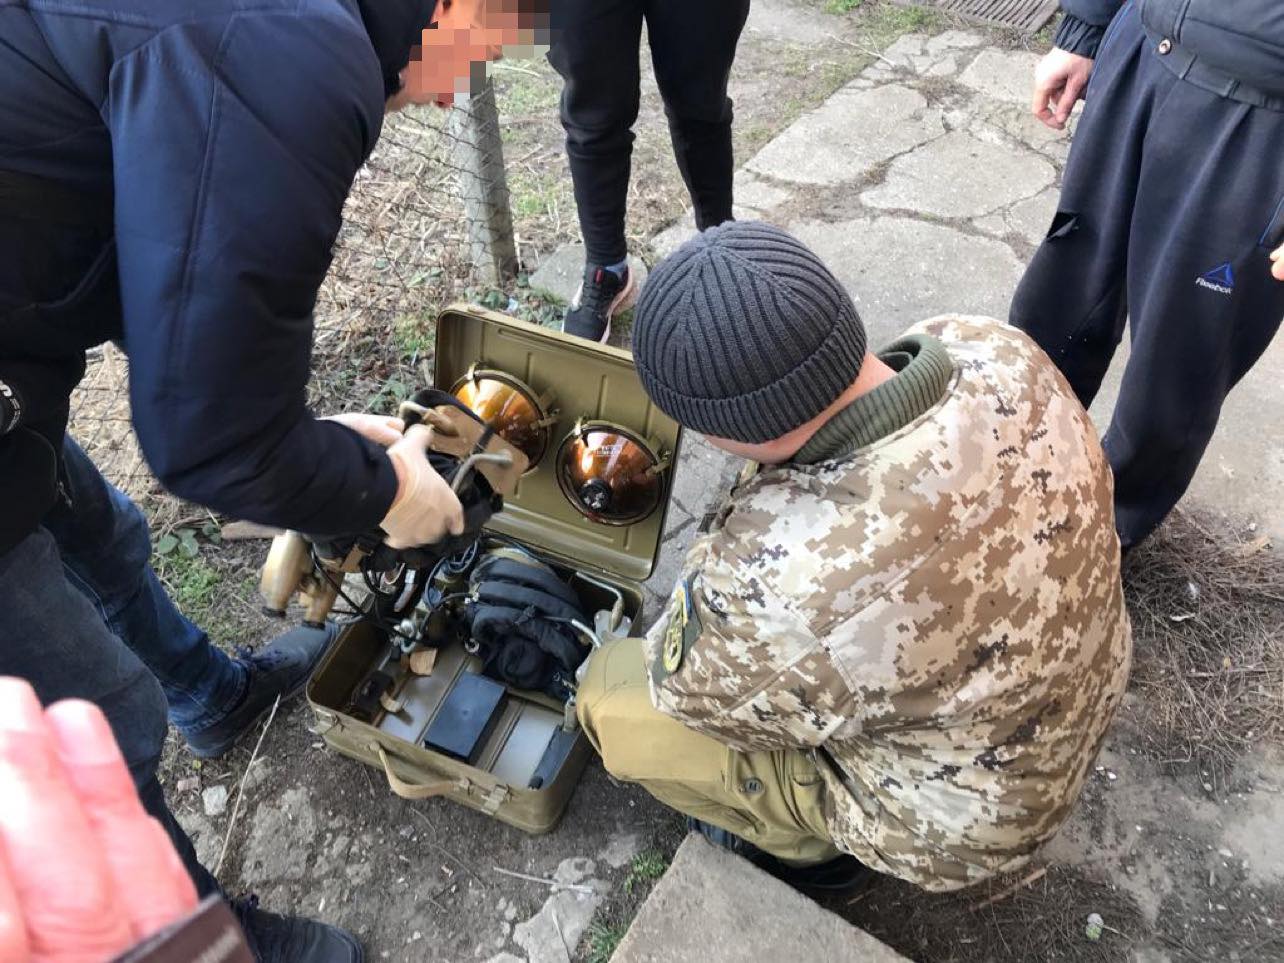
(596, 46)
(52, 637)
(693, 46)
(104, 543)
(1202, 303)
(1072, 298)
(1150, 224)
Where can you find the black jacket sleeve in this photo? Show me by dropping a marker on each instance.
(1084, 24)
(234, 149)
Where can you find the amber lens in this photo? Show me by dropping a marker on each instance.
(609, 476)
(513, 414)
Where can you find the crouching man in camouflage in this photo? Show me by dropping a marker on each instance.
(903, 638)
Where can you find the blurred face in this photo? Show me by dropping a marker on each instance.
(466, 35)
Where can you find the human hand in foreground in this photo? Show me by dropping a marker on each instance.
(425, 510)
(85, 873)
(1060, 80)
(1277, 263)
(381, 429)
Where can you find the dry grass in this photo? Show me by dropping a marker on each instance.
(1038, 913)
(1207, 603)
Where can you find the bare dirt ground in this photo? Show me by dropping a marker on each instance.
(1176, 842)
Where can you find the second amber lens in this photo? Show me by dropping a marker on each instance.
(609, 476)
(510, 411)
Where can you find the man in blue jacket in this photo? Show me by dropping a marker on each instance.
(172, 178)
(1171, 214)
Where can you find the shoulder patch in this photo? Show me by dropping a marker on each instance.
(681, 632)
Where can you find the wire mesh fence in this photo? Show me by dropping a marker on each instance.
(427, 221)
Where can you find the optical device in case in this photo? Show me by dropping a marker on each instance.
(591, 506)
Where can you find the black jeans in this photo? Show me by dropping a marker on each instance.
(83, 616)
(595, 48)
(1172, 200)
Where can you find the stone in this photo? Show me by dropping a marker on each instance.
(904, 49)
(945, 67)
(1002, 74)
(953, 40)
(959, 175)
(901, 270)
(559, 275)
(715, 907)
(214, 800)
(849, 135)
(281, 833)
(550, 935)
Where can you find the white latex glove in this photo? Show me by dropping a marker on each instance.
(1059, 82)
(381, 429)
(425, 510)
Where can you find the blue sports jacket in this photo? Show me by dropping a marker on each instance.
(172, 176)
(1224, 45)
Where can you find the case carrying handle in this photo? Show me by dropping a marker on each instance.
(410, 790)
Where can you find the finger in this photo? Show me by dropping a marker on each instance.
(14, 947)
(58, 871)
(418, 436)
(1039, 103)
(138, 852)
(1070, 95)
(384, 430)
(1277, 270)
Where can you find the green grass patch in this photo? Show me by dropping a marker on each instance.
(416, 334)
(842, 6)
(603, 939)
(646, 867)
(193, 584)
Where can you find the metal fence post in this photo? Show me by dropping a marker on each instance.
(479, 155)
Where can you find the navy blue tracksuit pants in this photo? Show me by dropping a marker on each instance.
(1172, 200)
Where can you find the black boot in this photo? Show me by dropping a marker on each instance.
(842, 874)
(281, 668)
(601, 296)
(292, 939)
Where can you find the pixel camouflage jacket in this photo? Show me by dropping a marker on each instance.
(938, 616)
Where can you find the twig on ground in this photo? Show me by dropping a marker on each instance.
(552, 883)
(443, 850)
(1003, 894)
(240, 789)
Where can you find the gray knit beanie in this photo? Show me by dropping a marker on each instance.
(743, 333)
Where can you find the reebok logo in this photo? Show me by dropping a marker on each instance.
(1220, 279)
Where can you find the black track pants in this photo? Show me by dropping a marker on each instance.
(595, 48)
(1173, 199)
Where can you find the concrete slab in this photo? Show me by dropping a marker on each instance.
(1002, 74)
(960, 176)
(714, 907)
(850, 134)
(559, 275)
(900, 270)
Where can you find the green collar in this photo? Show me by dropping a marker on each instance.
(923, 371)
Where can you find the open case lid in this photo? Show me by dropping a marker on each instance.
(579, 381)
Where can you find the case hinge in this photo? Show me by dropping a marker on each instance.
(325, 721)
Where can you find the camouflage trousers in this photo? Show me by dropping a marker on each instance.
(775, 800)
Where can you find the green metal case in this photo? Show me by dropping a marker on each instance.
(585, 381)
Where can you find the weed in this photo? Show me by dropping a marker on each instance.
(842, 6)
(603, 939)
(192, 581)
(646, 867)
(416, 334)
